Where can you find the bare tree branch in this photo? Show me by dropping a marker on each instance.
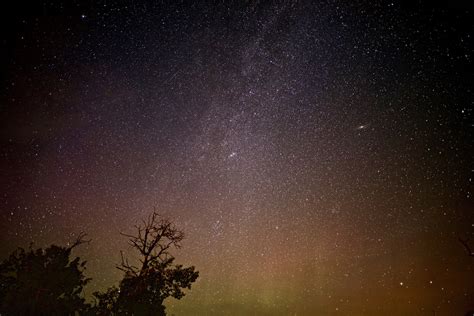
(79, 241)
(153, 240)
(465, 243)
(125, 266)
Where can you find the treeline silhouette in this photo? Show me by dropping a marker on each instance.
(47, 282)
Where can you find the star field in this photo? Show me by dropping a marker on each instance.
(317, 156)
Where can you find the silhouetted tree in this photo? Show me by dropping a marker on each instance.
(144, 288)
(43, 282)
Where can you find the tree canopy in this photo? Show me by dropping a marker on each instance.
(43, 282)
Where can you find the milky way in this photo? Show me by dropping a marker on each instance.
(317, 156)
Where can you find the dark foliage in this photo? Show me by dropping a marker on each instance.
(42, 282)
(105, 302)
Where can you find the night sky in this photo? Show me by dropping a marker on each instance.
(318, 156)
